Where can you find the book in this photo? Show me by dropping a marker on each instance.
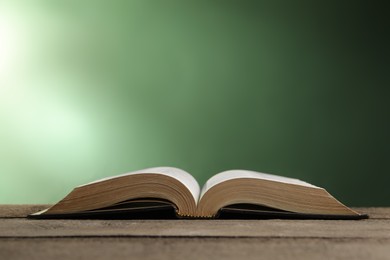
(168, 192)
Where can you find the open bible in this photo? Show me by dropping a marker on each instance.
(167, 192)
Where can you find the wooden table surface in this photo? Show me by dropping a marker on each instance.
(22, 238)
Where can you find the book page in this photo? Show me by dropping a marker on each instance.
(237, 174)
(176, 173)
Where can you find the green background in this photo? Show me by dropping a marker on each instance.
(90, 89)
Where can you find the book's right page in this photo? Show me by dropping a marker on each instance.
(247, 194)
(236, 174)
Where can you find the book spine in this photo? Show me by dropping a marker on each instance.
(194, 216)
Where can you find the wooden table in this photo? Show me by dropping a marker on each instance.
(192, 239)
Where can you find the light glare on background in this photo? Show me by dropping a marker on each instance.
(12, 43)
(42, 126)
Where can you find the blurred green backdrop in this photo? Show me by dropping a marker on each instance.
(90, 89)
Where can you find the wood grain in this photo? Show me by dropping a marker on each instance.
(22, 238)
(193, 248)
(196, 228)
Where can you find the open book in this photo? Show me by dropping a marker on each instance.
(167, 192)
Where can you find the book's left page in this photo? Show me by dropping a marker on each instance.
(184, 177)
(161, 183)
